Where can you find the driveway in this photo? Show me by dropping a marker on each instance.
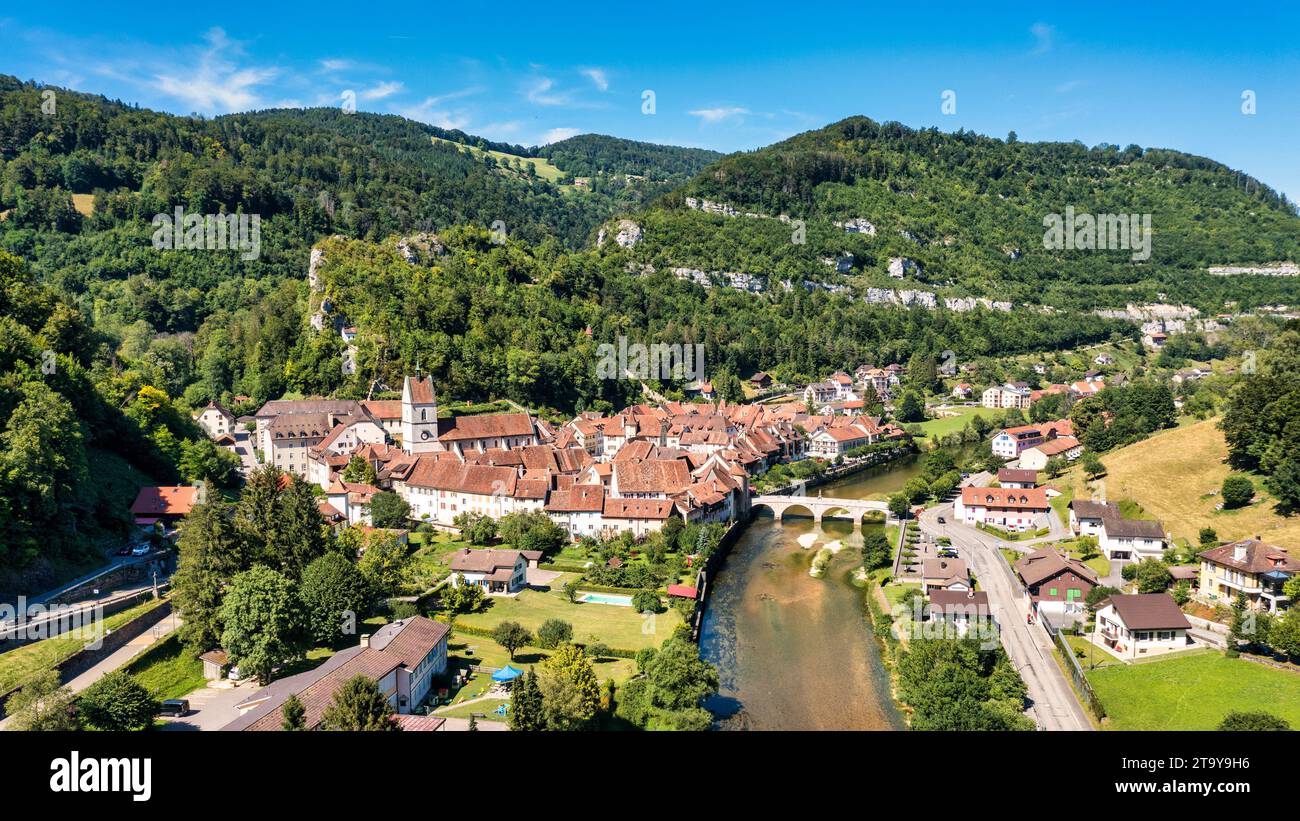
(1052, 703)
(211, 708)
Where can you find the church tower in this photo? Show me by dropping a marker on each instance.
(419, 415)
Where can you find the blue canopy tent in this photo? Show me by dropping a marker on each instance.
(507, 673)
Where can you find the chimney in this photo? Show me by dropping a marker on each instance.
(1239, 553)
(365, 639)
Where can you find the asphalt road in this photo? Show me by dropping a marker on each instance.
(1053, 704)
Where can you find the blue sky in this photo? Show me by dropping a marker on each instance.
(724, 78)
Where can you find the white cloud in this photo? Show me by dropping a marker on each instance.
(717, 115)
(1043, 37)
(539, 92)
(381, 91)
(429, 112)
(557, 134)
(216, 84)
(336, 65)
(598, 77)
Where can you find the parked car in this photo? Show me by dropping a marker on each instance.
(142, 549)
(176, 707)
(125, 550)
(942, 520)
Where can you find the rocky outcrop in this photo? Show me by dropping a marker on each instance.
(1272, 269)
(858, 225)
(421, 248)
(900, 267)
(627, 236)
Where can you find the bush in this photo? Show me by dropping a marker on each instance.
(117, 703)
(646, 601)
(1237, 492)
(553, 633)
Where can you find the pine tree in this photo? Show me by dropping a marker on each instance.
(526, 705)
(211, 551)
(359, 706)
(293, 714)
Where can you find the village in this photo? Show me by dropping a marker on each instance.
(1001, 549)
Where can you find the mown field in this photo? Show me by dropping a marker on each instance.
(617, 627)
(1175, 476)
(1193, 692)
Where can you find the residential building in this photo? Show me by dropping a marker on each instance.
(1141, 624)
(1017, 478)
(1251, 568)
(1009, 443)
(216, 420)
(944, 574)
(1086, 516)
(960, 611)
(1062, 447)
(166, 505)
(496, 571)
(1008, 508)
(1057, 585)
(403, 658)
(1010, 395)
(1131, 539)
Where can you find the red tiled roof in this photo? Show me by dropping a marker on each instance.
(165, 501)
(1002, 497)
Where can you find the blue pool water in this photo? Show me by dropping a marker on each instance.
(606, 598)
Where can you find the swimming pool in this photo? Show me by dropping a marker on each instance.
(605, 598)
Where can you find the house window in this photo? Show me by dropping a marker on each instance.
(1051, 591)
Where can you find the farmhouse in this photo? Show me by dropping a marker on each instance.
(496, 571)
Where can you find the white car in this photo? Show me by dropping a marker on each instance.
(141, 550)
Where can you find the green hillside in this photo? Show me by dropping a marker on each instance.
(970, 209)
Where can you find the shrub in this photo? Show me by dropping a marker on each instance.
(553, 633)
(1237, 492)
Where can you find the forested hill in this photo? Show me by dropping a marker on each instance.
(969, 210)
(362, 175)
(591, 154)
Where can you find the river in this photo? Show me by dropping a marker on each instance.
(795, 652)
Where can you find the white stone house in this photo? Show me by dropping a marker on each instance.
(1140, 625)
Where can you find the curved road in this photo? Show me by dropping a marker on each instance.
(1053, 704)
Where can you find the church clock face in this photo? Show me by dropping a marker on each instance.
(424, 434)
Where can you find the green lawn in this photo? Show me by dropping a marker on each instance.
(1088, 654)
(167, 670)
(431, 559)
(952, 424)
(486, 708)
(465, 650)
(1193, 692)
(545, 168)
(22, 662)
(620, 627)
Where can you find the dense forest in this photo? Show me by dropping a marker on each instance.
(969, 210)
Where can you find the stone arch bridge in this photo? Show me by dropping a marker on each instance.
(820, 507)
